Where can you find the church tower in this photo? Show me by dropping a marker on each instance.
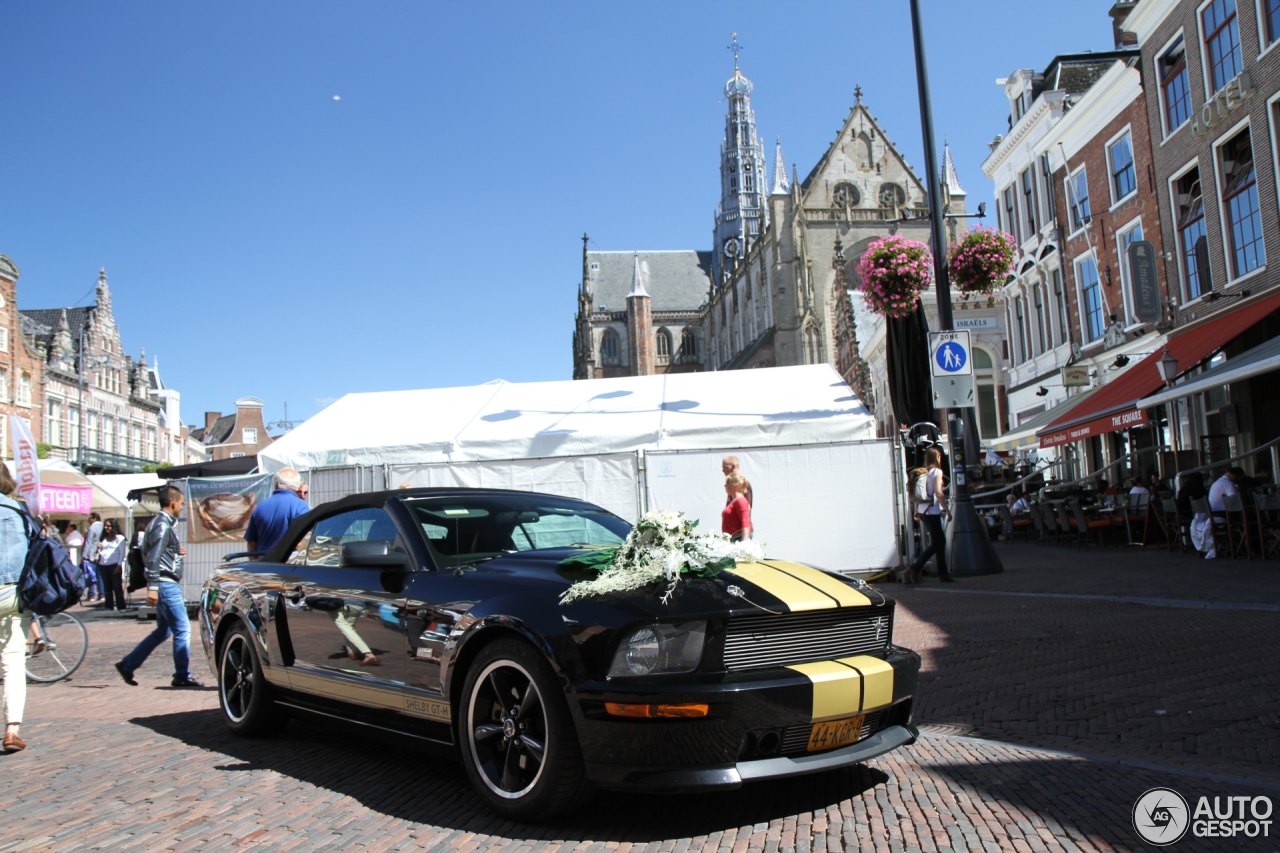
(741, 217)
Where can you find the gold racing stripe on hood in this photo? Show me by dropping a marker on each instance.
(848, 686)
(791, 591)
(840, 591)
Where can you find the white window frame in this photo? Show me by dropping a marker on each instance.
(246, 432)
(1227, 249)
(1126, 292)
(1171, 189)
(1273, 104)
(1133, 156)
(1259, 16)
(1083, 319)
(4, 337)
(1069, 193)
(20, 399)
(1166, 131)
(1206, 72)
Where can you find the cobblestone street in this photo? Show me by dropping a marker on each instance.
(1044, 719)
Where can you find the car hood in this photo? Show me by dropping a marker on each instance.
(773, 586)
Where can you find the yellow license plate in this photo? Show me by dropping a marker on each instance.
(836, 733)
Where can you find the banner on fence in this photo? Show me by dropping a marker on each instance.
(218, 508)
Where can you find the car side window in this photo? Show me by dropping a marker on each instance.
(298, 557)
(358, 525)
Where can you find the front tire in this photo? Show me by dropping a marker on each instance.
(248, 707)
(518, 740)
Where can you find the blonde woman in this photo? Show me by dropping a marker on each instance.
(930, 514)
(736, 517)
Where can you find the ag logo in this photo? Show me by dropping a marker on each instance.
(1161, 816)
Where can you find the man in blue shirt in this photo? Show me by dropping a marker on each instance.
(272, 517)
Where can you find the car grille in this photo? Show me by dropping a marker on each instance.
(754, 642)
(796, 740)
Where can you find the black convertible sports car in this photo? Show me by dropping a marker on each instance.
(436, 614)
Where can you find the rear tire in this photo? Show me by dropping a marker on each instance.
(519, 743)
(247, 700)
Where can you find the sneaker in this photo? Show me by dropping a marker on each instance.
(947, 579)
(186, 681)
(126, 674)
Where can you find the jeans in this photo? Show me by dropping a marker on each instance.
(171, 618)
(13, 653)
(937, 544)
(112, 579)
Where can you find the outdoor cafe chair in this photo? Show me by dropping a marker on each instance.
(1037, 521)
(1065, 521)
(1238, 534)
(1013, 526)
(1045, 512)
(1085, 525)
(1266, 509)
(1175, 525)
(1220, 543)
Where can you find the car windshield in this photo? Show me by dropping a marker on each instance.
(467, 528)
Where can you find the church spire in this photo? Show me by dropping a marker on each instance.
(781, 186)
(742, 215)
(950, 179)
(637, 278)
(102, 292)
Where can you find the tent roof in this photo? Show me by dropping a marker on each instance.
(504, 420)
(58, 472)
(118, 486)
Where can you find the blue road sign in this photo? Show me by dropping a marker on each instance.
(951, 357)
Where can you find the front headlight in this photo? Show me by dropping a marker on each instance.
(660, 648)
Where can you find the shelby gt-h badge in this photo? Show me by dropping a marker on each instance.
(437, 614)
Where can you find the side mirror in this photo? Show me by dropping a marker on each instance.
(373, 554)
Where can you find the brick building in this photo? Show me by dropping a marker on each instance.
(1214, 111)
(229, 436)
(22, 380)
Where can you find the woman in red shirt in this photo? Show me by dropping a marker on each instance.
(736, 517)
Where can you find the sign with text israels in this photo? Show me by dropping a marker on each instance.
(1142, 281)
(1099, 426)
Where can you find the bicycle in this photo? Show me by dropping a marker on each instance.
(56, 647)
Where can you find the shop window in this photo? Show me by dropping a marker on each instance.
(1193, 243)
(1175, 90)
(1222, 42)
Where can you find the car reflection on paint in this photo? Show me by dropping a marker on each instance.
(436, 614)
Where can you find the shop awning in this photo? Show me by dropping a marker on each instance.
(1116, 405)
(1259, 360)
(1025, 435)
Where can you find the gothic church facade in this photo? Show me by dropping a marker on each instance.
(774, 289)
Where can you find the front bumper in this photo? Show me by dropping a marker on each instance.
(677, 780)
(758, 727)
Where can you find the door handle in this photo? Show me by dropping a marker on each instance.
(294, 595)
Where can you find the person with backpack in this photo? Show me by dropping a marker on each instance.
(14, 622)
(930, 503)
(162, 554)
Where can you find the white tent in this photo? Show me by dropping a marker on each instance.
(118, 486)
(58, 472)
(807, 444)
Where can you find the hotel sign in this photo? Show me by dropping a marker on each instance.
(1221, 105)
(1101, 426)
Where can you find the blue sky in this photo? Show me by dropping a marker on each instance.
(263, 238)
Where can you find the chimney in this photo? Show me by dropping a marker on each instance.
(209, 419)
(1119, 14)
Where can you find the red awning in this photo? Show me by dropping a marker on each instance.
(1114, 406)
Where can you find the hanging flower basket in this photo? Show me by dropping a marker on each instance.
(982, 260)
(894, 271)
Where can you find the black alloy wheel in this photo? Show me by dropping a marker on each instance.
(243, 691)
(519, 743)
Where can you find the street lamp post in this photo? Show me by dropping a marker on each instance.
(969, 548)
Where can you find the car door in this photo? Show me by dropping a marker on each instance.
(344, 624)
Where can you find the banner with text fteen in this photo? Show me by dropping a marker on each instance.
(27, 469)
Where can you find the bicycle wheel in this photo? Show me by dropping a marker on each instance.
(64, 643)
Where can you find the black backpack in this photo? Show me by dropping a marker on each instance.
(50, 582)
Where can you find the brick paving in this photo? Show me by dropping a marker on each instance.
(1041, 732)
